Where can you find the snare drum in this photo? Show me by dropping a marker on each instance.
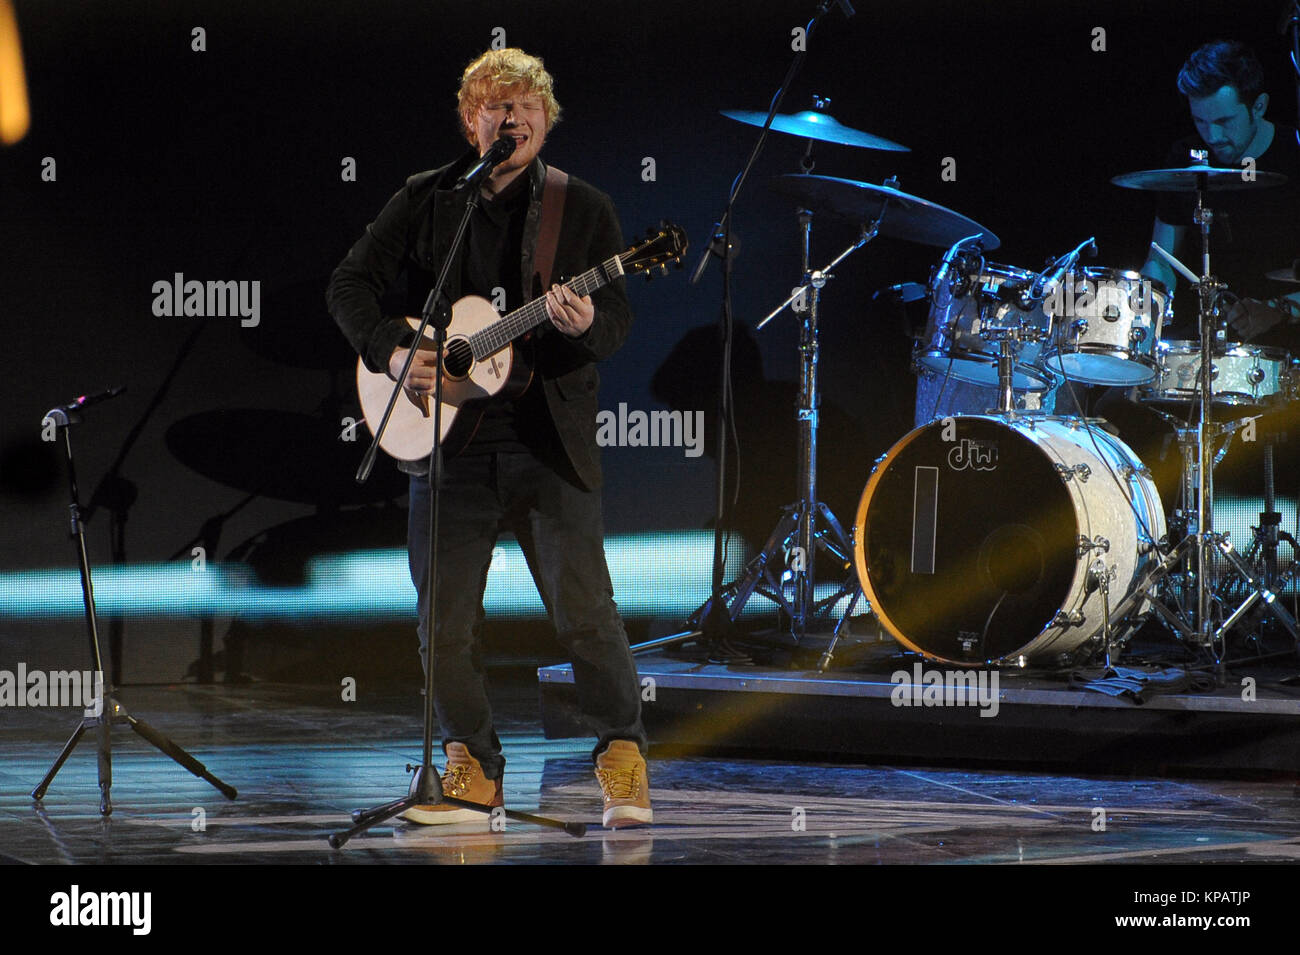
(980, 539)
(1244, 375)
(964, 311)
(1105, 326)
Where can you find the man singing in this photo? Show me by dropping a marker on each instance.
(532, 467)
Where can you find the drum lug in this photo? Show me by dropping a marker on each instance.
(1079, 327)
(1072, 619)
(1127, 471)
(1084, 546)
(1137, 335)
(1066, 472)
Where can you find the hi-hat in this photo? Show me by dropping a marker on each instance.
(904, 216)
(1187, 179)
(811, 124)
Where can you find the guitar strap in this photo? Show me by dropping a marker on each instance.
(548, 236)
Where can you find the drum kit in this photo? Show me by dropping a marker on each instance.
(1008, 534)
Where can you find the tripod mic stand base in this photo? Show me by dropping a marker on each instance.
(115, 712)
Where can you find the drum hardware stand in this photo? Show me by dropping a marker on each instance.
(110, 710)
(807, 525)
(710, 621)
(1006, 338)
(1100, 578)
(1262, 552)
(1203, 537)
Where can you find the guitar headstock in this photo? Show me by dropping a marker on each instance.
(661, 246)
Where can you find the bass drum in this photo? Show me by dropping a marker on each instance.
(976, 536)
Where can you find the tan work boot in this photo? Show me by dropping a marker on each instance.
(625, 785)
(462, 779)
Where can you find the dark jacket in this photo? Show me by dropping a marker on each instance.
(413, 234)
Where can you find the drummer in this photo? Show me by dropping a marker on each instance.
(1253, 230)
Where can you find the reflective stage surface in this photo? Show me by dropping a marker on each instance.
(302, 759)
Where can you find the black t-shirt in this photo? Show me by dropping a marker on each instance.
(493, 260)
(1253, 231)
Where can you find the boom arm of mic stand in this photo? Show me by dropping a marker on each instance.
(821, 275)
(723, 226)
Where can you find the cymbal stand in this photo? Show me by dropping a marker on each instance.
(1262, 553)
(1204, 541)
(805, 301)
(807, 525)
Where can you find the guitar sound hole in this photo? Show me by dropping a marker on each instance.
(459, 358)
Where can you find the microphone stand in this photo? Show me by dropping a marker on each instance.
(426, 786)
(108, 710)
(713, 621)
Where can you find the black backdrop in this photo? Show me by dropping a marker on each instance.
(226, 165)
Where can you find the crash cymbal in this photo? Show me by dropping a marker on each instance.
(1185, 179)
(906, 216)
(1291, 274)
(811, 124)
(281, 454)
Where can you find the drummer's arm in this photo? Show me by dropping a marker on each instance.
(1168, 237)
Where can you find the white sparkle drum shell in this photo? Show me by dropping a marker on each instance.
(968, 536)
(1244, 376)
(964, 309)
(1106, 324)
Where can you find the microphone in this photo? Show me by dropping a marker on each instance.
(497, 153)
(85, 401)
(902, 293)
(936, 282)
(1046, 282)
(62, 414)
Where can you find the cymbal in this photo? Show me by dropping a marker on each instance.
(1184, 179)
(280, 454)
(1289, 274)
(811, 124)
(906, 216)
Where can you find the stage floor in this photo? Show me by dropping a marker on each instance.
(302, 759)
(897, 707)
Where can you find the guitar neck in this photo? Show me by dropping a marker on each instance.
(501, 333)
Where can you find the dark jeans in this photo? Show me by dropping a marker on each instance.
(560, 531)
